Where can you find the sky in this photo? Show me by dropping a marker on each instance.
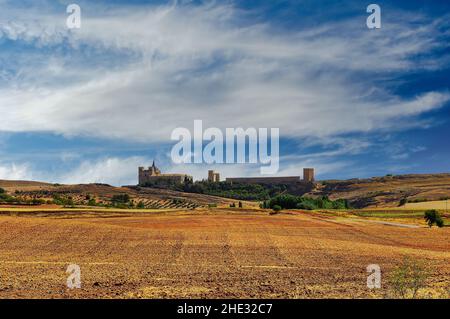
(92, 104)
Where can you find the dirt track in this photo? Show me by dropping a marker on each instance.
(210, 254)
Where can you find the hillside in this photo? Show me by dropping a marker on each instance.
(102, 194)
(387, 191)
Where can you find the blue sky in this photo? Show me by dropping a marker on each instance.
(92, 104)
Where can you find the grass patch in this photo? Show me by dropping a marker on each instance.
(387, 214)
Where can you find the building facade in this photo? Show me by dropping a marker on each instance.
(153, 177)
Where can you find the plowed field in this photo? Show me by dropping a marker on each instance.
(211, 254)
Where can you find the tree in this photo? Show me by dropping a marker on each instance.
(433, 217)
(408, 278)
(121, 199)
(403, 202)
(140, 205)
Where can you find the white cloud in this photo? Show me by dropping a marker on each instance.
(194, 62)
(15, 172)
(113, 171)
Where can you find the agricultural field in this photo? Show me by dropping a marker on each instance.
(440, 205)
(215, 253)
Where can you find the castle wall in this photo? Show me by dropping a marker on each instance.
(265, 180)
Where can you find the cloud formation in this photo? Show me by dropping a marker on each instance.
(168, 65)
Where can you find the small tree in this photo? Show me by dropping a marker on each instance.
(433, 217)
(2, 191)
(140, 205)
(240, 204)
(408, 278)
(120, 199)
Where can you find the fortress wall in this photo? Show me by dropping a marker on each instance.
(265, 180)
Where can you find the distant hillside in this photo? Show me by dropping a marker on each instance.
(103, 194)
(386, 191)
(23, 185)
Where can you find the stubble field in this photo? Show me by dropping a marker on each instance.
(216, 253)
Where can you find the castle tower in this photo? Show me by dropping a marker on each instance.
(211, 176)
(308, 174)
(154, 171)
(141, 176)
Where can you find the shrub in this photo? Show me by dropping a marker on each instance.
(276, 208)
(120, 199)
(407, 279)
(403, 202)
(2, 191)
(140, 205)
(240, 204)
(433, 217)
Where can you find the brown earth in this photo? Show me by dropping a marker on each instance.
(212, 253)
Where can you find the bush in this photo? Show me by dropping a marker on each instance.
(120, 199)
(57, 200)
(140, 205)
(2, 191)
(407, 279)
(440, 223)
(240, 205)
(433, 217)
(403, 202)
(276, 208)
